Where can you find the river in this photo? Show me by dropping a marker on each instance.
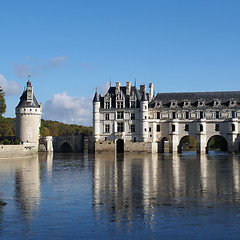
(130, 196)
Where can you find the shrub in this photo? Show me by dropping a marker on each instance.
(16, 142)
(6, 142)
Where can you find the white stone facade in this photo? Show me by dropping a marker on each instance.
(141, 121)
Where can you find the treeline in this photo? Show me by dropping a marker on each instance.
(48, 128)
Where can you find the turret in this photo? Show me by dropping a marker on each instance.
(28, 117)
(96, 116)
(144, 116)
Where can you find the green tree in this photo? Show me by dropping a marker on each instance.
(2, 102)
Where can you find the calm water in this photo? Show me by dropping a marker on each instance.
(64, 196)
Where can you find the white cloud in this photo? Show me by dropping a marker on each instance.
(9, 87)
(35, 67)
(67, 109)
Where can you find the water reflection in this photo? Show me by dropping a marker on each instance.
(140, 185)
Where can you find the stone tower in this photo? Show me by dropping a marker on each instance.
(144, 116)
(96, 116)
(28, 117)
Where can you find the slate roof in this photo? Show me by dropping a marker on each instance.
(209, 97)
(23, 101)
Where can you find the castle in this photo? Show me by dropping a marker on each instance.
(127, 119)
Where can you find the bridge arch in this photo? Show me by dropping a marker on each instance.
(187, 143)
(217, 143)
(163, 145)
(66, 147)
(120, 145)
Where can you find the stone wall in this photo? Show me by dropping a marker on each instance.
(18, 151)
(129, 146)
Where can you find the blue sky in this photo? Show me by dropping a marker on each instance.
(71, 47)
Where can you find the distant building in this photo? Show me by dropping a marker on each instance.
(130, 119)
(28, 117)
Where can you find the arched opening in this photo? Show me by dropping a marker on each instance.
(187, 144)
(65, 148)
(163, 145)
(217, 143)
(120, 146)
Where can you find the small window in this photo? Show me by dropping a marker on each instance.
(119, 115)
(145, 117)
(132, 116)
(158, 128)
(233, 127)
(134, 139)
(217, 114)
(158, 115)
(187, 115)
(119, 104)
(107, 128)
(145, 107)
(233, 114)
(201, 114)
(150, 129)
(186, 127)
(120, 127)
(174, 115)
(217, 127)
(132, 104)
(201, 128)
(107, 116)
(173, 128)
(145, 129)
(132, 128)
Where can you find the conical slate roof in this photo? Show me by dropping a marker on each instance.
(96, 97)
(23, 101)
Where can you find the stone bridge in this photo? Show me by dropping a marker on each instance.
(72, 143)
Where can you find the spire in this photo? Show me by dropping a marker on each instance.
(29, 83)
(144, 96)
(96, 97)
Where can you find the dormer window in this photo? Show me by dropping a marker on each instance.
(107, 105)
(158, 104)
(217, 103)
(173, 103)
(119, 104)
(186, 103)
(232, 103)
(201, 103)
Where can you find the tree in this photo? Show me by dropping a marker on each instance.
(2, 102)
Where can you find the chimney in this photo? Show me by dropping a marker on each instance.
(128, 88)
(150, 92)
(118, 84)
(142, 88)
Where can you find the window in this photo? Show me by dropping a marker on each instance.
(132, 128)
(173, 128)
(217, 127)
(187, 115)
(134, 139)
(132, 116)
(217, 114)
(119, 115)
(233, 127)
(107, 104)
(145, 117)
(158, 115)
(119, 104)
(107, 116)
(201, 114)
(201, 128)
(120, 127)
(145, 107)
(158, 128)
(173, 115)
(186, 127)
(132, 104)
(233, 114)
(107, 128)
(150, 129)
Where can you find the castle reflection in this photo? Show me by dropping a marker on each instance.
(139, 185)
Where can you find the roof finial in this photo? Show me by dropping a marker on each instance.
(28, 83)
